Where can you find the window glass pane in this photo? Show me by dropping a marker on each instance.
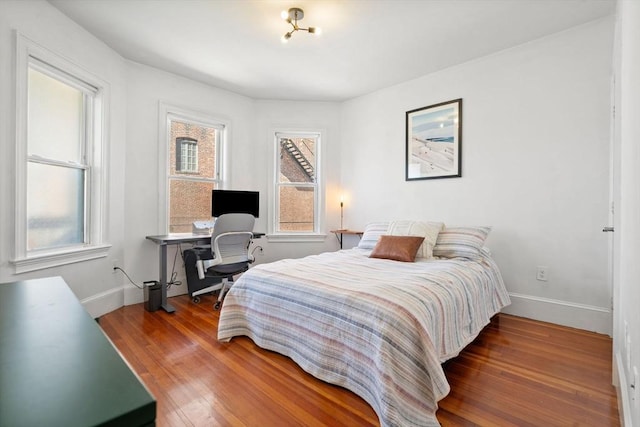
(189, 201)
(297, 160)
(296, 208)
(194, 159)
(55, 122)
(187, 152)
(55, 206)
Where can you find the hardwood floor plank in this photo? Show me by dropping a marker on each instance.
(518, 372)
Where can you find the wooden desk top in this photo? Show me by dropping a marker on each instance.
(57, 367)
(345, 231)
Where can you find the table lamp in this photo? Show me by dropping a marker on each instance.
(341, 212)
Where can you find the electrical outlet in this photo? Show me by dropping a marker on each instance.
(542, 273)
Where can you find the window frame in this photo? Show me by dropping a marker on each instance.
(29, 54)
(168, 113)
(317, 234)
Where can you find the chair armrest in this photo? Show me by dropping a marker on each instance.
(203, 265)
(200, 269)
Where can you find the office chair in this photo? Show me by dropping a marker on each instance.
(232, 234)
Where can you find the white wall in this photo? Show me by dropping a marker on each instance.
(627, 268)
(535, 166)
(45, 25)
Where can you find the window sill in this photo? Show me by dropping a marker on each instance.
(296, 238)
(55, 259)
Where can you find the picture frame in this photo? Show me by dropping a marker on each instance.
(434, 141)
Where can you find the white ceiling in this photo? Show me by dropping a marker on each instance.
(365, 45)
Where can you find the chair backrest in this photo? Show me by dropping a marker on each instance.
(232, 234)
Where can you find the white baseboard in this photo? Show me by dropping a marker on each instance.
(590, 318)
(104, 302)
(113, 299)
(132, 294)
(622, 391)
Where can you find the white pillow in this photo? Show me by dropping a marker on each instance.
(428, 230)
(372, 233)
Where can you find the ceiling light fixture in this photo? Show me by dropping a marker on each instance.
(292, 16)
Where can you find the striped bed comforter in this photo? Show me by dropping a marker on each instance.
(377, 327)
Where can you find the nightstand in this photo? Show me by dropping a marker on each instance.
(340, 233)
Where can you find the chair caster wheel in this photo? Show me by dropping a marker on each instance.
(195, 300)
(217, 305)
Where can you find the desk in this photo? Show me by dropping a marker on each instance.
(174, 239)
(339, 234)
(57, 367)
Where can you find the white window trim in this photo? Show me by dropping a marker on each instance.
(96, 221)
(166, 113)
(319, 217)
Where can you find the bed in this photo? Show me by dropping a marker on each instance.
(378, 327)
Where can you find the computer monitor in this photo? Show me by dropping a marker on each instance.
(232, 201)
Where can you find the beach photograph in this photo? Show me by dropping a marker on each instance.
(433, 141)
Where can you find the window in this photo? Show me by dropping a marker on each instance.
(297, 188)
(59, 177)
(194, 155)
(57, 167)
(186, 155)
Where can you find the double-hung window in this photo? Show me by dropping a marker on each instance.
(297, 186)
(194, 166)
(58, 180)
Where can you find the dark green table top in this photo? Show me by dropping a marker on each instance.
(57, 368)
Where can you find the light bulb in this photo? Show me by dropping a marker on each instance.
(285, 38)
(316, 30)
(284, 15)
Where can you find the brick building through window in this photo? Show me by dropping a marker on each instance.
(192, 173)
(297, 185)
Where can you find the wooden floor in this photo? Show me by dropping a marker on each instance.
(518, 372)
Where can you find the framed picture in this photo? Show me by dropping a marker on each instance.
(434, 141)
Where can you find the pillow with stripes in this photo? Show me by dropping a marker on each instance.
(461, 242)
(372, 233)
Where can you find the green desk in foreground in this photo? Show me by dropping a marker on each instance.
(57, 367)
